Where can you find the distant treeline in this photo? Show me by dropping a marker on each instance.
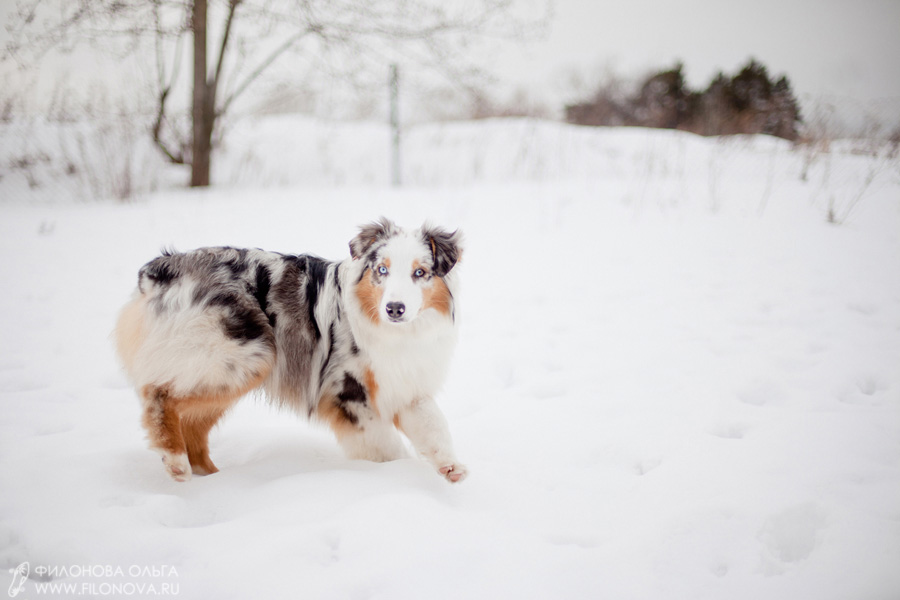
(748, 102)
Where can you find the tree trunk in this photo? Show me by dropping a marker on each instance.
(203, 113)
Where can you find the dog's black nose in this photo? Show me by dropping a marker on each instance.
(395, 310)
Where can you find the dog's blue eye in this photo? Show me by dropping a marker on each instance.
(382, 270)
(419, 273)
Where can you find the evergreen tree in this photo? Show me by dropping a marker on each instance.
(749, 102)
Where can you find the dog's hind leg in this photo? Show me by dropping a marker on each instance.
(163, 423)
(190, 366)
(196, 424)
(178, 427)
(200, 413)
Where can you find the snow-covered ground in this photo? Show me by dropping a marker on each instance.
(675, 379)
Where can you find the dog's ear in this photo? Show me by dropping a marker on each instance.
(369, 234)
(446, 249)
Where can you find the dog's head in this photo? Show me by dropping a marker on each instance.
(404, 272)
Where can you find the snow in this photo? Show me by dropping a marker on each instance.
(675, 379)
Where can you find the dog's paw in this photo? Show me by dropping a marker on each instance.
(454, 473)
(177, 466)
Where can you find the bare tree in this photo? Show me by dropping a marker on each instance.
(343, 36)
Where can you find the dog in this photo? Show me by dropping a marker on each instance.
(362, 344)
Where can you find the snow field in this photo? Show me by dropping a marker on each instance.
(661, 390)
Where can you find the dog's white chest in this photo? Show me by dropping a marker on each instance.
(408, 368)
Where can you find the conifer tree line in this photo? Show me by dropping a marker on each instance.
(748, 102)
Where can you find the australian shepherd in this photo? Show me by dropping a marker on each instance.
(362, 344)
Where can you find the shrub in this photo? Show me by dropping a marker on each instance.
(748, 102)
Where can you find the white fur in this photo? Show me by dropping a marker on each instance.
(189, 351)
(177, 465)
(426, 427)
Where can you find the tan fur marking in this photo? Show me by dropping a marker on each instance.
(438, 297)
(372, 389)
(369, 296)
(130, 331)
(330, 412)
(195, 427)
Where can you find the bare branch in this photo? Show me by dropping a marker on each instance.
(232, 7)
(266, 63)
(176, 157)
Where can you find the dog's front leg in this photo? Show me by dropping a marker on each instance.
(425, 426)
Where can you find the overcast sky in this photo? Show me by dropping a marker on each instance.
(836, 49)
(826, 47)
